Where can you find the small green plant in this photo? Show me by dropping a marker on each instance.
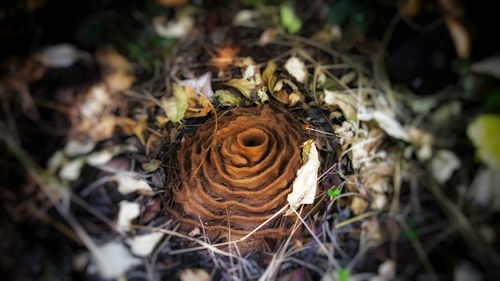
(333, 192)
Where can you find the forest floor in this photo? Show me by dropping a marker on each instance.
(396, 104)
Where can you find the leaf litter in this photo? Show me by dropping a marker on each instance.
(381, 150)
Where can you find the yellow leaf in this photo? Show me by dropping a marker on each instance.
(226, 98)
(198, 106)
(268, 77)
(244, 86)
(176, 106)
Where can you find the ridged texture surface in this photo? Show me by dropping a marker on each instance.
(236, 177)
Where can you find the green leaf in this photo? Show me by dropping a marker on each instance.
(485, 134)
(289, 19)
(333, 192)
(343, 275)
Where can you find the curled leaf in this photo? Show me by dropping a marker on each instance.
(244, 86)
(345, 102)
(268, 76)
(129, 184)
(304, 185)
(227, 98)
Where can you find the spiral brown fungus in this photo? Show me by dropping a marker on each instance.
(236, 174)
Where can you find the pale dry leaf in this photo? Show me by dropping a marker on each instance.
(96, 101)
(201, 85)
(71, 170)
(129, 184)
(387, 123)
(346, 103)
(484, 190)
(194, 274)
(305, 184)
(127, 213)
(143, 245)
(246, 17)
(490, 66)
(297, 69)
(379, 201)
(101, 157)
(59, 56)
(113, 260)
(173, 29)
(443, 164)
(55, 161)
(78, 147)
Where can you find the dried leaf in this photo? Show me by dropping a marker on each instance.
(126, 214)
(100, 158)
(104, 129)
(71, 171)
(198, 106)
(297, 69)
(358, 205)
(304, 185)
(129, 184)
(484, 191)
(78, 147)
(224, 57)
(226, 98)
(151, 166)
(268, 36)
(386, 123)
(490, 66)
(113, 260)
(176, 106)
(173, 29)
(345, 102)
(246, 17)
(269, 78)
(59, 56)
(194, 275)
(143, 245)
(460, 37)
(117, 71)
(293, 99)
(443, 164)
(201, 85)
(244, 86)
